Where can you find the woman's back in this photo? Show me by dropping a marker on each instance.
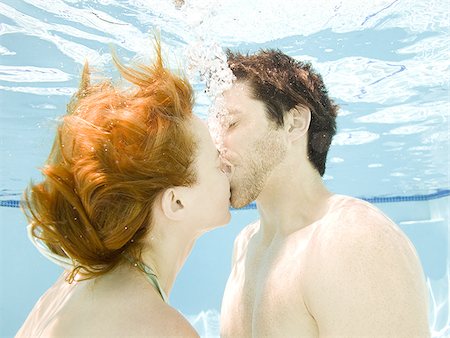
(121, 303)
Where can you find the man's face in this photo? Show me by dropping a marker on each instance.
(251, 145)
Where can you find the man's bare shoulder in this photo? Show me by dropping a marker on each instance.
(356, 228)
(242, 239)
(350, 217)
(362, 263)
(248, 232)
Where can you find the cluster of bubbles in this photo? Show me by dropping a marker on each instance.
(207, 61)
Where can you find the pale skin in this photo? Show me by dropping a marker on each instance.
(315, 264)
(122, 303)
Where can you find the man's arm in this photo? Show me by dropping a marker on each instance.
(365, 279)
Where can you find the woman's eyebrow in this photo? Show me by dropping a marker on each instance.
(234, 111)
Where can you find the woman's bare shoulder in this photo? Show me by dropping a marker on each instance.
(160, 321)
(171, 323)
(141, 321)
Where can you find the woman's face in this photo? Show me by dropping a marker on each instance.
(211, 193)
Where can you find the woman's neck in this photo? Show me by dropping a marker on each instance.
(166, 255)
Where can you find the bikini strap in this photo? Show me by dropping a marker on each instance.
(151, 276)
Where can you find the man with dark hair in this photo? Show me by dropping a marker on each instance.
(315, 263)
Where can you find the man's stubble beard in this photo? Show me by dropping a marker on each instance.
(255, 168)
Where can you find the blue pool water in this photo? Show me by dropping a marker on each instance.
(385, 62)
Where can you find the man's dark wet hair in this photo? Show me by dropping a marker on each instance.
(282, 83)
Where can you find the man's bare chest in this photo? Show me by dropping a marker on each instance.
(267, 286)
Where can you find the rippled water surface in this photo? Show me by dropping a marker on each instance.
(385, 62)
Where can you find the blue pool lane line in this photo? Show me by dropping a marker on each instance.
(392, 199)
(10, 203)
(377, 199)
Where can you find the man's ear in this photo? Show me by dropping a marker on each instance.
(297, 121)
(172, 204)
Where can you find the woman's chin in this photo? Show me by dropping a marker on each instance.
(223, 222)
(227, 218)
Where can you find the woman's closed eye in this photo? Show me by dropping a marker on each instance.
(224, 165)
(224, 168)
(232, 124)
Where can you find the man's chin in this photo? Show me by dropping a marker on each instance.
(238, 202)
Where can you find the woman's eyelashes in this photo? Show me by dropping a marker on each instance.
(224, 167)
(232, 124)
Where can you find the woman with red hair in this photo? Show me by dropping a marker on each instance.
(133, 179)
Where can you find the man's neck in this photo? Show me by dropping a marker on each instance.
(292, 199)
